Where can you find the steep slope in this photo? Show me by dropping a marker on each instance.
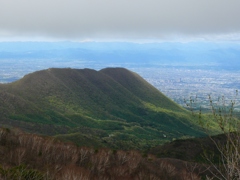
(114, 107)
(140, 88)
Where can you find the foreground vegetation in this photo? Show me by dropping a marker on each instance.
(28, 156)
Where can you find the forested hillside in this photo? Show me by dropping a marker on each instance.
(113, 107)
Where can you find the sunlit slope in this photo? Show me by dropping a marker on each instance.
(113, 106)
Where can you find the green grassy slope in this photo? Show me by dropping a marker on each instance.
(193, 150)
(113, 107)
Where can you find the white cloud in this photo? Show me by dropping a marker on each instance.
(108, 19)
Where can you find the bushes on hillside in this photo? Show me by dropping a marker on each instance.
(29, 156)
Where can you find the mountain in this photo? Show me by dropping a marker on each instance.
(113, 107)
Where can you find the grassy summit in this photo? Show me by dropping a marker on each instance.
(113, 107)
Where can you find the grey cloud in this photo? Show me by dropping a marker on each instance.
(118, 19)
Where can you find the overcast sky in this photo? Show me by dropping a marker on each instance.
(83, 20)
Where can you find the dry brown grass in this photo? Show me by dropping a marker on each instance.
(57, 160)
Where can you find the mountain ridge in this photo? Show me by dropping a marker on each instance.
(122, 105)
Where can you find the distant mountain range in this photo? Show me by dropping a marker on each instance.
(191, 53)
(113, 107)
